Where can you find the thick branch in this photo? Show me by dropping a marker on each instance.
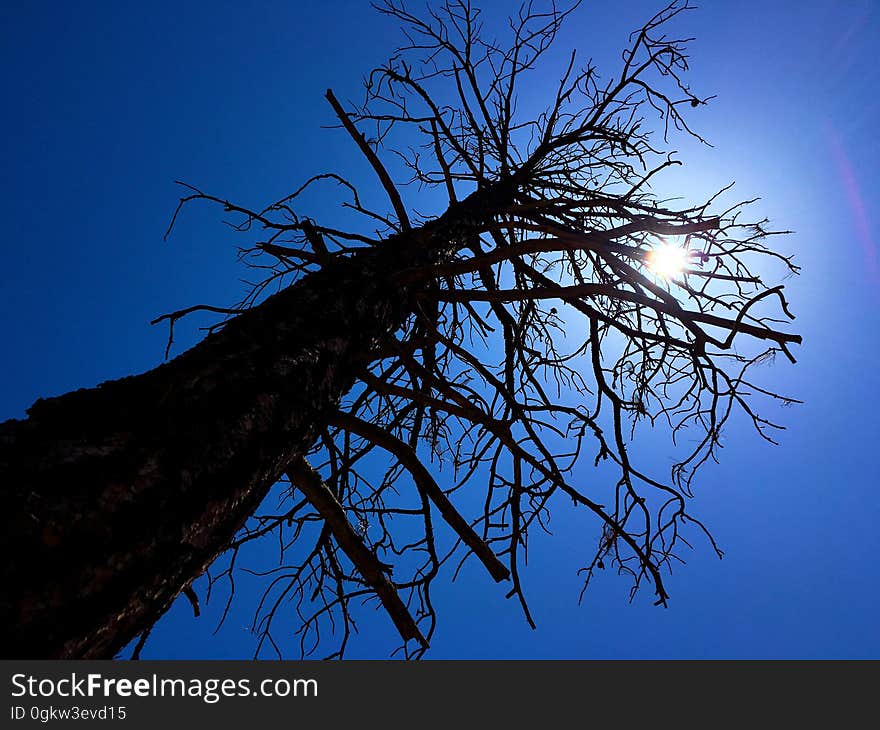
(373, 159)
(612, 292)
(426, 484)
(309, 482)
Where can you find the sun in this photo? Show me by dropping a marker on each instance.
(667, 259)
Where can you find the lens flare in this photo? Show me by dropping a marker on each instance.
(667, 259)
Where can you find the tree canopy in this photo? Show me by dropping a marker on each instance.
(554, 308)
(568, 306)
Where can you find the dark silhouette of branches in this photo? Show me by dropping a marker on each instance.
(539, 334)
(522, 332)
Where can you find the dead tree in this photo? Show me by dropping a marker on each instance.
(481, 353)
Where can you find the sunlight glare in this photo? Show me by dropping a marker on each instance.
(667, 259)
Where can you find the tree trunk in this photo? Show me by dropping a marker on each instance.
(115, 498)
(121, 494)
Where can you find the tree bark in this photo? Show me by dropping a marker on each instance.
(115, 498)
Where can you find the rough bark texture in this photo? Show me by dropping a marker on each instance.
(116, 497)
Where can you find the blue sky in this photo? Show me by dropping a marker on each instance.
(108, 103)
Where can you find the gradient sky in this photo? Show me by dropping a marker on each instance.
(107, 103)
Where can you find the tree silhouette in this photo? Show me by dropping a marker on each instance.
(469, 359)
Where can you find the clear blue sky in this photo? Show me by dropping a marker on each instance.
(105, 104)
